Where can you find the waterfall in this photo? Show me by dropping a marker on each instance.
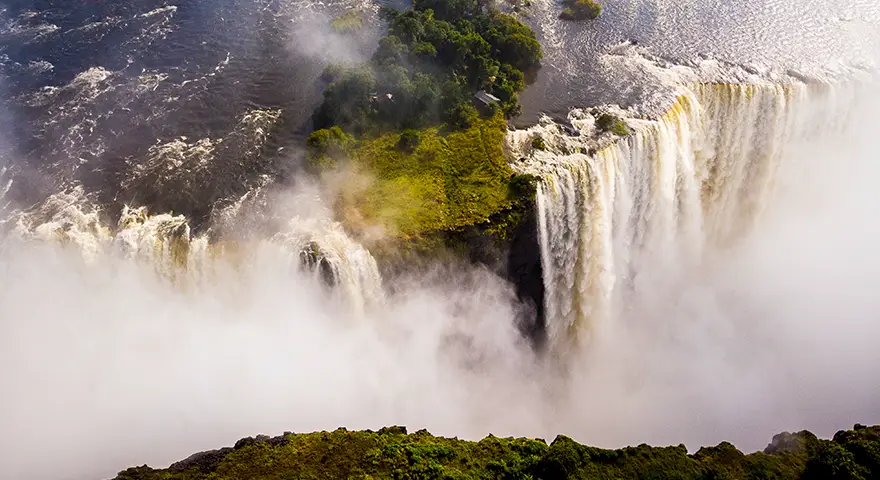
(695, 180)
(312, 247)
(323, 247)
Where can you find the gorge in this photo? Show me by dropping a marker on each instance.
(172, 278)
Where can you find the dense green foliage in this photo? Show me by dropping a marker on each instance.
(581, 10)
(417, 159)
(428, 67)
(392, 454)
(610, 123)
(327, 146)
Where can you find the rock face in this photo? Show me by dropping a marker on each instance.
(508, 245)
(391, 453)
(312, 259)
(203, 462)
(208, 461)
(524, 271)
(786, 442)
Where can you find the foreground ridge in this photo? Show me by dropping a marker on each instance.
(393, 454)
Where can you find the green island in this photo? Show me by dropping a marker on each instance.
(391, 453)
(580, 10)
(414, 138)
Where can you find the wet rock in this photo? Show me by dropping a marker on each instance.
(205, 462)
(393, 430)
(786, 442)
(312, 259)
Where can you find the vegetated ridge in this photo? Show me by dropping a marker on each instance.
(422, 155)
(392, 454)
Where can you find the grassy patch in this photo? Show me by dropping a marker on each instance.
(444, 181)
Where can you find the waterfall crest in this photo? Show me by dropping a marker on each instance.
(316, 247)
(695, 180)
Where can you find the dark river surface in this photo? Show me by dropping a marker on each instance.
(184, 105)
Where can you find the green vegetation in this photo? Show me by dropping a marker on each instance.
(349, 22)
(326, 147)
(422, 181)
(409, 140)
(610, 123)
(413, 155)
(580, 10)
(392, 454)
(428, 67)
(538, 143)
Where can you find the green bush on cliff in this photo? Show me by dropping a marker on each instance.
(327, 146)
(581, 10)
(409, 140)
(392, 454)
(611, 123)
(538, 143)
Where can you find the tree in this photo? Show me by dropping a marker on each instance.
(391, 51)
(347, 100)
(428, 67)
(462, 115)
(410, 26)
(521, 51)
(449, 10)
(327, 146)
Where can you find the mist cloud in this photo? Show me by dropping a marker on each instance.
(105, 365)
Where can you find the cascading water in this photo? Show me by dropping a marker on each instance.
(329, 252)
(693, 181)
(165, 242)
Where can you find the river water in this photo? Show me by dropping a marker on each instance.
(702, 306)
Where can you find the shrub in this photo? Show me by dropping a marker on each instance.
(581, 10)
(538, 143)
(325, 147)
(524, 185)
(492, 109)
(409, 140)
(567, 14)
(610, 123)
(462, 115)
